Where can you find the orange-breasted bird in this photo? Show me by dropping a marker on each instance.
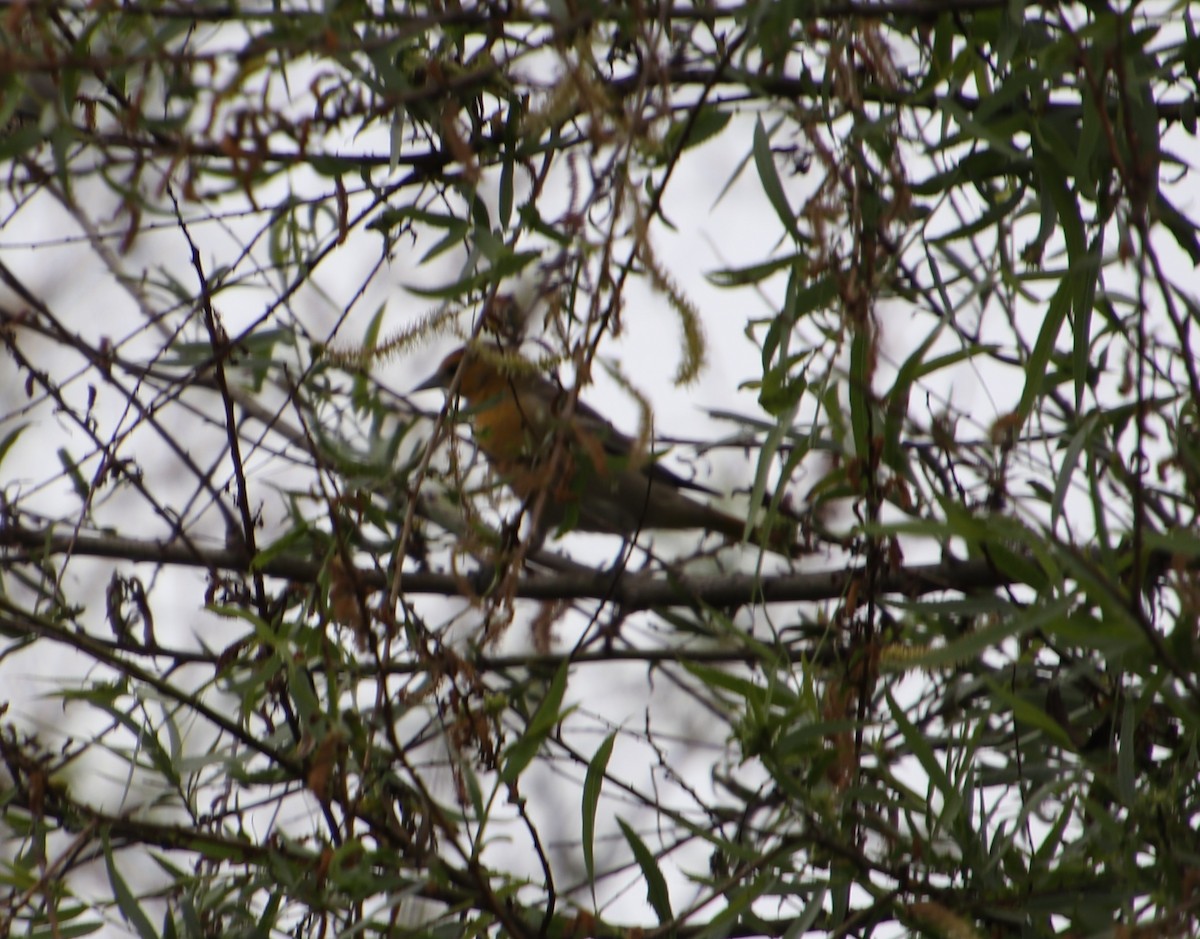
(598, 482)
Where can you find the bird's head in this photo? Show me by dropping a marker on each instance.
(483, 372)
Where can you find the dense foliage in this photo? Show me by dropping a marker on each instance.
(280, 656)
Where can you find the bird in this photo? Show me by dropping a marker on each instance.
(601, 480)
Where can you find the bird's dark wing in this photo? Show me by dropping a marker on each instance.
(618, 444)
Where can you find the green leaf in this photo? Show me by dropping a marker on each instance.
(805, 921)
(1183, 541)
(1102, 587)
(10, 438)
(860, 393)
(360, 394)
(592, 784)
(505, 266)
(71, 468)
(1127, 751)
(706, 123)
(270, 913)
(754, 273)
(1066, 469)
(61, 930)
(1180, 226)
(391, 217)
(780, 395)
(745, 688)
(1044, 856)
(915, 368)
(1086, 274)
(126, 901)
(998, 136)
(1043, 348)
(764, 162)
(544, 720)
(656, 884)
(1031, 715)
(970, 647)
(919, 747)
(505, 202)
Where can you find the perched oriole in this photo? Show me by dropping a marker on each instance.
(597, 482)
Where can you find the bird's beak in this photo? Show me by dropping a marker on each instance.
(433, 381)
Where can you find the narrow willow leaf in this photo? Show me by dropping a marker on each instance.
(592, 784)
(656, 884)
(544, 720)
(764, 162)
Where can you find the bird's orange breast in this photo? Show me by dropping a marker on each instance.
(503, 429)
